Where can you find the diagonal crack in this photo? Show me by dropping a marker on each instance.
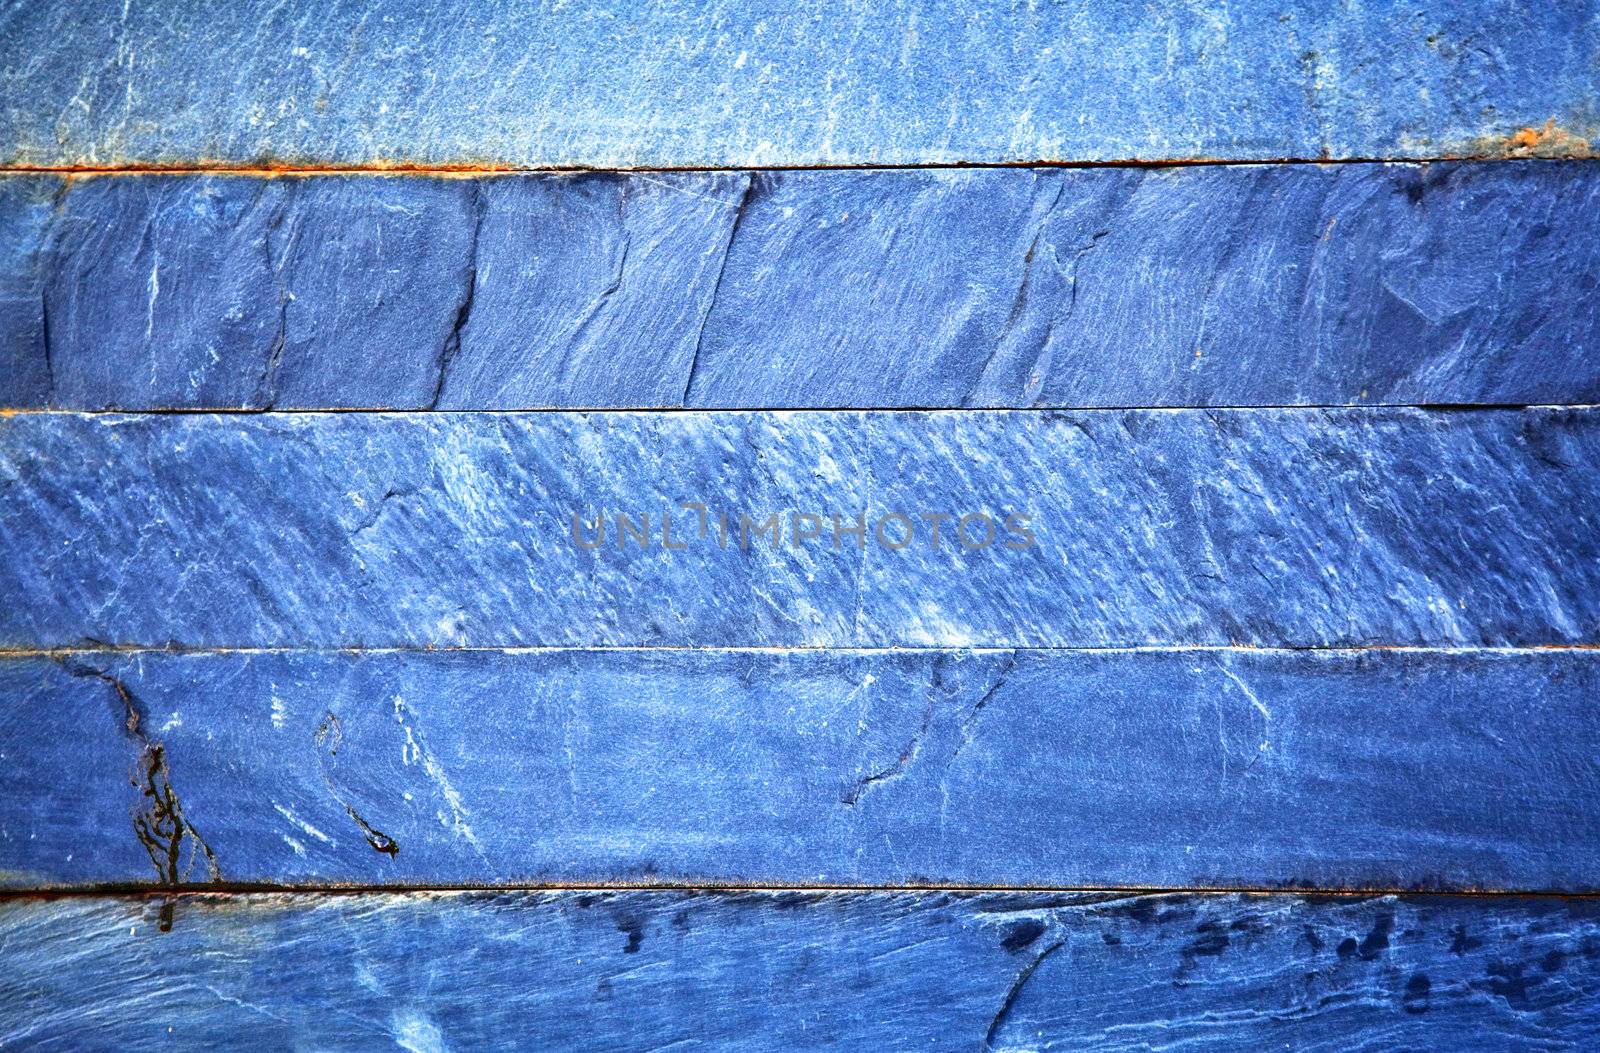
(159, 820)
(1025, 284)
(266, 395)
(1014, 992)
(739, 209)
(967, 732)
(579, 332)
(451, 346)
(48, 250)
(329, 737)
(1068, 270)
(969, 725)
(937, 690)
(44, 341)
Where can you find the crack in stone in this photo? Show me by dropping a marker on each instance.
(1260, 707)
(1026, 282)
(739, 210)
(967, 725)
(159, 820)
(1014, 992)
(266, 395)
(895, 770)
(393, 493)
(46, 249)
(329, 737)
(1041, 358)
(44, 341)
(570, 364)
(1020, 301)
(451, 347)
(966, 733)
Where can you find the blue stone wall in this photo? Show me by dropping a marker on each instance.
(610, 84)
(866, 526)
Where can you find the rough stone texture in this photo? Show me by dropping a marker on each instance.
(1208, 769)
(1213, 286)
(1270, 528)
(606, 83)
(25, 208)
(797, 971)
(291, 753)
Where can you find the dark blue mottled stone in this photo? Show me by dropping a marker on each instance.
(26, 204)
(1208, 768)
(1270, 527)
(798, 971)
(1214, 286)
(319, 740)
(607, 83)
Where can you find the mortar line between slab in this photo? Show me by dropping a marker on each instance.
(139, 650)
(240, 889)
(467, 171)
(1427, 407)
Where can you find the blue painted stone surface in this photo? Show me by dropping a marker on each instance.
(1350, 649)
(1213, 286)
(1221, 768)
(26, 204)
(607, 83)
(1270, 528)
(797, 971)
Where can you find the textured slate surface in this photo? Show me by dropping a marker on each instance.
(613, 84)
(1276, 528)
(1263, 769)
(1241, 285)
(646, 971)
(297, 748)
(26, 204)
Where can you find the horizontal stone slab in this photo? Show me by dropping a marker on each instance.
(1188, 768)
(605, 83)
(1211, 286)
(1089, 529)
(662, 970)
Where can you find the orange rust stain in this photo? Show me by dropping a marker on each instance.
(269, 169)
(1548, 140)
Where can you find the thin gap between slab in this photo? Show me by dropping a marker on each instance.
(468, 171)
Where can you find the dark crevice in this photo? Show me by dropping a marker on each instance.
(329, 737)
(853, 794)
(509, 411)
(1025, 289)
(380, 841)
(451, 347)
(47, 249)
(1080, 895)
(1484, 156)
(739, 209)
(1015, 992)
(44, 347)
(266, 394)
(970, 723)
(391, 494)
(159, 821)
